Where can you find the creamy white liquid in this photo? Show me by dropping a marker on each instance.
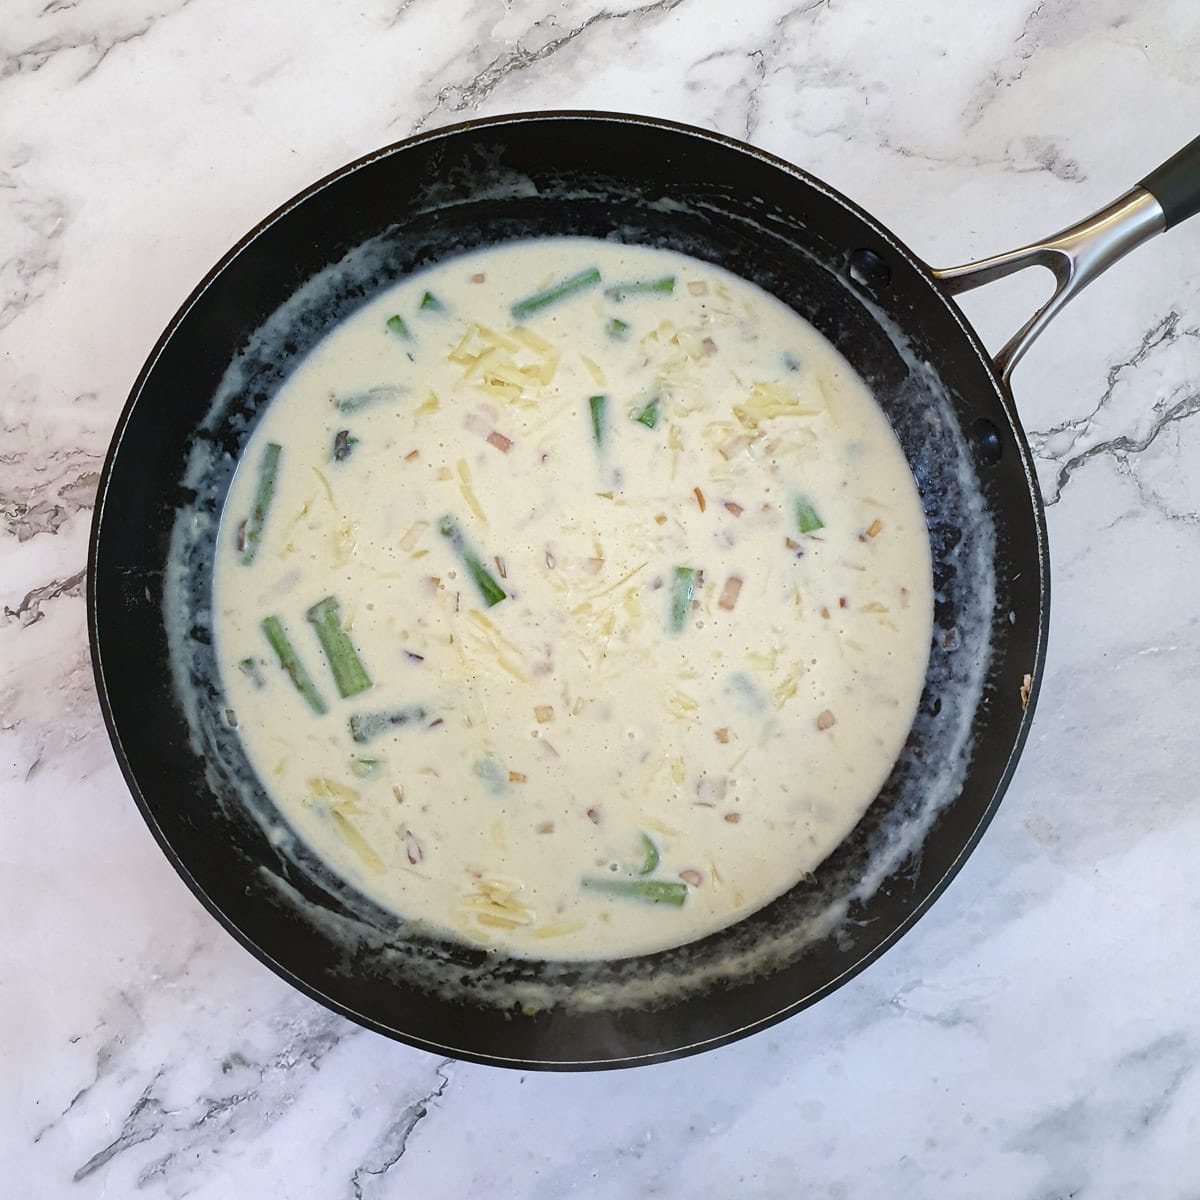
(569, 737)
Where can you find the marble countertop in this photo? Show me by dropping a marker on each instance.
(1037, 1035)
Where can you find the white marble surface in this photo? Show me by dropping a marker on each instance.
(1037, 1036)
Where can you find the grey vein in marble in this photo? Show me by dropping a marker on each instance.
(29, 610)
(248, 1095)
(67, 486)
(1142, 1085)
(761, 62)
(1060, 444)
(519, 57)
(98, 43)
(391, 1146)
(36, 223)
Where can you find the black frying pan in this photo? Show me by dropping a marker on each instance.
(359, 230)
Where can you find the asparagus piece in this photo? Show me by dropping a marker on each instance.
(648, 416)
(288, 660)
(399, 326)
(641, 287)
(249, 668)
(365, 726)
(348, 672)
(489, 589)
(252, 527)
(430, 303)
(375, 395)
(650, 856)
(562, 290)
(652, 891)
(683, 588)
(599, 408)
(492, 774)
(747, 692)
(806, 516)
(343, 442)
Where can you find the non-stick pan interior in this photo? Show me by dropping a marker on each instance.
(313, 263)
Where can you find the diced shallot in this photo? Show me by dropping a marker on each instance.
(412, 847)
(730, 593)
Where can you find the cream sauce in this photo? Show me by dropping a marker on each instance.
(615, 757)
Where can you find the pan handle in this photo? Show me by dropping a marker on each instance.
(1176, 184)
(1077, 255)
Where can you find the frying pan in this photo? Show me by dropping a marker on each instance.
(326, 252)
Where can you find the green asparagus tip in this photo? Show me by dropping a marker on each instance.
(648, 416)
(489, 589)
(650, 856)
(599, 408)
(806, 517)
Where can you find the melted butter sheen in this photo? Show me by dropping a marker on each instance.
(595, 724)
